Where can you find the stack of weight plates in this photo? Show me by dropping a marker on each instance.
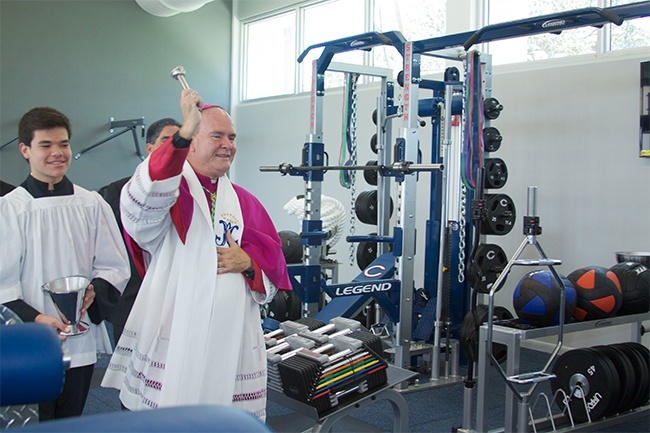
(602, 381)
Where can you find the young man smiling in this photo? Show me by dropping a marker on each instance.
(52, 228)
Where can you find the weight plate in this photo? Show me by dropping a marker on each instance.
(645, 373)
(491, 139)
(365, 207)
(496, 173)
(371, 175)
(640, 366)
(625, 372)
(277, 308)
(367, 252)
(585, 376)
(492, 108)
(291, 246)
(501, 215)
(373, 143)
(485, 265)
(294, 306)
(469, 332)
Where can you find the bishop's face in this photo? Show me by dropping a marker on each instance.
(213, 146)
(48, 154)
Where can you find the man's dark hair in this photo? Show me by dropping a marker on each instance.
(154, 130)
(41, 118)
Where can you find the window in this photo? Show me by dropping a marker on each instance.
(270, 55)
(348, 16)
(416, 20)
(631, 34)
(583, 40)
(544, 46)
(270, 50)
(272, 43)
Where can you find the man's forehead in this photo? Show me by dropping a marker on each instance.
(217, 120)
(45, 134)
(169, 130)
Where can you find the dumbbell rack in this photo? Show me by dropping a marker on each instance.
(512, 338)
(324, 423)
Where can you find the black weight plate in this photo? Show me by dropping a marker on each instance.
(491, 139)
(469, 332)
(640, 373)
(484, 269)
(371, 175)
(277, 308)
(373, 144)
(492, 108)
(645, 354)
(291, 246)
(625, 372)
(597, 379)
(501, 215)
(365, 206)
(615, 386)
(496, 173)
(294, 306)
(367, 252)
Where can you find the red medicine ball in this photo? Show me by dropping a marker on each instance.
(599, 293)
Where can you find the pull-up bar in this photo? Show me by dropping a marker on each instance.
(551, 23)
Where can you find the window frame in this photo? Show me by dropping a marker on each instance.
(478, 18)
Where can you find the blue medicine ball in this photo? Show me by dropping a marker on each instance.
(536, 299)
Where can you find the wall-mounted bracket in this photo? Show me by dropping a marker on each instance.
(8, 143)
(128, 125)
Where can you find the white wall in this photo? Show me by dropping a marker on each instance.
(569, 129)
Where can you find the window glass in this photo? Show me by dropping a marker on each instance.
(326, 22)
(270, 56)
(631, 34)
(582, 40)
(416, 20)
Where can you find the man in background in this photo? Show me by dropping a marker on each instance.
(5, 188)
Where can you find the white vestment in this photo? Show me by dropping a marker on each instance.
(193, 336)
(52, 237)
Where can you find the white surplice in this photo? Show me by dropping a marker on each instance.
(52, 237)
(193, 336)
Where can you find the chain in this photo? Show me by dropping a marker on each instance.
(353, 144)
(463, 190)
(461, 242)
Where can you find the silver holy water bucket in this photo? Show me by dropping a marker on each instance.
(67, 293)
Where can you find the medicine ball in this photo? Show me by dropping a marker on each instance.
(291, 246)
(599, 293)
(536, 299)
(635, 285)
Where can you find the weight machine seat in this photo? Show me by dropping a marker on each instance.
(217, 419)
(32, 366)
